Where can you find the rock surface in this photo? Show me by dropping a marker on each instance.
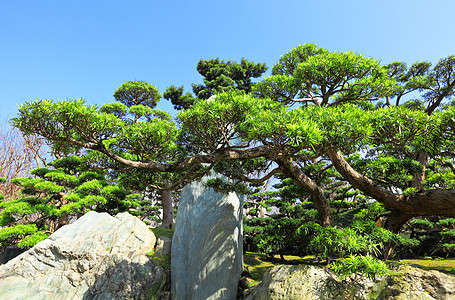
(415, 283)
(97, 257)
(163, 246)
(207, 246)
(310, 282)
(306, 282)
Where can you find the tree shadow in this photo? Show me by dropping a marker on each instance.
(443, 269)
(251, 260)
(10, 252)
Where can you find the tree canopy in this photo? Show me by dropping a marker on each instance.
(57, 195)
(345, 111)
(137, 93)
(219, 76)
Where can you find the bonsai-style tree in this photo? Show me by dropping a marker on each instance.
(339, 117)
(139, 99)
(54, 197)
(137, 93)
(219, 76)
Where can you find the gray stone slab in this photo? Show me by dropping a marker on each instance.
(207, 246)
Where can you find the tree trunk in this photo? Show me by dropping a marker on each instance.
(395, 220)
(316, 193)
(439, 202)
(168, 210)
(419, 177)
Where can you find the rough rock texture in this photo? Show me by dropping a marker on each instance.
(207, 246)
(415, 283)
(307, 282)
(97, 257)
(163, 246)
(310, 282)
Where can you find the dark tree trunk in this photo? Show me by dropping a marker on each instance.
(317, 196)
(168, 210)
(419, 177)
(440, 202)
(395, 220)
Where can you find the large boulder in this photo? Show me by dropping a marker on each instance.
(411, 282)
(311, 283)
(207, 246)
(307, 283)
(97, 257)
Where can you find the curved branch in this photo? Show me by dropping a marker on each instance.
(317, 195)
(360, 181)
(425, 203)
(216, 156)
(260, 180)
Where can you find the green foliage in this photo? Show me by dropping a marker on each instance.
(178, 99)
(440, 179)
(221, 185)
(366, 265)
(68, 164)
(62, 178)
(361, 236)
(54, 119)
(275, 237)
(2, 179)
(115, 108)
(309, 73)
(164, 261)
(447, 222)
(289, 62)
(90, 187)
(136, 93)
(366, 224)
(219, 77)
(330, 242)
(421, 224)
(33, 239)
(449, 233)
(66, 191)
(90, 176)
(10, 234)
(162, 232)
(343, 104)
(371, 213)
(444, 243)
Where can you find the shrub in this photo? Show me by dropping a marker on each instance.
(356, 265)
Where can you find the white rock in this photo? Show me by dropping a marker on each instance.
(97, 257)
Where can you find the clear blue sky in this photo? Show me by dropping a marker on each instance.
(86, 49)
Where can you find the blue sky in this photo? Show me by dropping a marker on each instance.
(86, 49)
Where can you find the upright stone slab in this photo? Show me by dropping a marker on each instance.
(207, 246)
